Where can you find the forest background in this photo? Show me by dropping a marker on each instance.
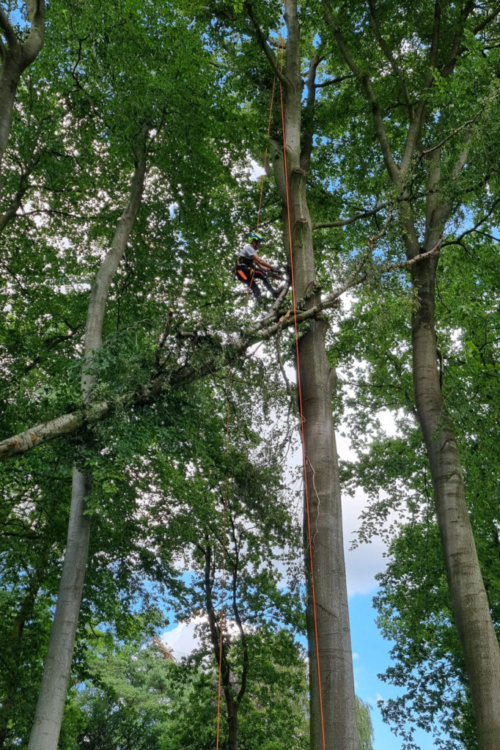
(128, 137)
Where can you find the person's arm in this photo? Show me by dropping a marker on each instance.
(262, 263)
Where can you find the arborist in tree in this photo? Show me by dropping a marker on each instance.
(250, 268)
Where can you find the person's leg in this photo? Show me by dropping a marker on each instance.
(247, 277)
(268, 285)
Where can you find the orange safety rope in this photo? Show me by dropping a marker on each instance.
(299, 383)
(221, 625)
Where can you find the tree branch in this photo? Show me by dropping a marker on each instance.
(8, 30)
(453, 134)
(11, 212)
(265, 46)
(356, 217)
(476, 226)
(34, 42)
(308, 119)
(390, 57)
(367, 85)
(333, 81)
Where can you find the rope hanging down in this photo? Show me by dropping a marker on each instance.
(299, 385)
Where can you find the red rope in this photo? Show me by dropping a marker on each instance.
(299, 383)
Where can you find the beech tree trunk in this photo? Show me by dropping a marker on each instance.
(57, 669)
(10, 75)
(317, 382)
(470, 604)
(469, 600)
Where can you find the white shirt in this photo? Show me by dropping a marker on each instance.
(248, 252)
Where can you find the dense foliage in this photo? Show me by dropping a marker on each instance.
(186, 515)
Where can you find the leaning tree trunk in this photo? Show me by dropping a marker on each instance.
(317, 379)
(469, 600)
(15, 59)
(52, 697)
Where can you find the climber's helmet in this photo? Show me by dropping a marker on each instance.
(255, 237)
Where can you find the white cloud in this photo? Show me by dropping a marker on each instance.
(182, 639)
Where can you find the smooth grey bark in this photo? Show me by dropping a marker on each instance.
(57, 668)
(469, 600)
(470, 604)
(15, 58)
(317, 382)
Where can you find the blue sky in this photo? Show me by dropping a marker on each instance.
(372, 658)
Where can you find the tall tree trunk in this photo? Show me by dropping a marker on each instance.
(317, 378)
(15, 58)
(469, 600)
(219, 650)
(52, 697)
(10, 75)
(233, 731)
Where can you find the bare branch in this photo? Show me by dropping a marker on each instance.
(334, 81)
(453, 134)
(482, 25)
(476, 226)
(416, 258)
(356, 217)
(15, 205)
